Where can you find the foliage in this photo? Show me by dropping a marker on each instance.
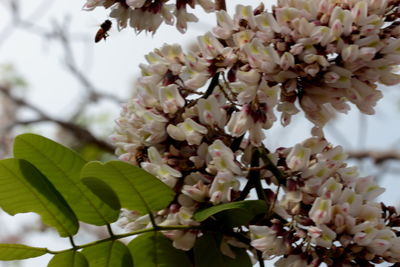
(48, 178)
(196, 125)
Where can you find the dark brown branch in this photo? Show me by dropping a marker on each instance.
(378, 157)
(220, 5)
(77, 131)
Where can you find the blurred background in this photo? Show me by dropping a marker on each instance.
(57, 82)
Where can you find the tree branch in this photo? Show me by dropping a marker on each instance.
(220, 5)
(378, 157)
(77, 131)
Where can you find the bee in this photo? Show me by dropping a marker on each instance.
(102, 32)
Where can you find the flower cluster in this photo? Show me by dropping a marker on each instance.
(197, 119)
(147, 15)
(326, 208)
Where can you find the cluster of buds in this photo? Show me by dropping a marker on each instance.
(147, 15)
(326, 210)
(197, 118)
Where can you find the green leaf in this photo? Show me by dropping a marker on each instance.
(207, 253)
(102, 191)
(10, 252)
(155, 250)
(136, 189)
(24, 189)
(62, 167)
(234, 213)
(68, 259)
(108, 254)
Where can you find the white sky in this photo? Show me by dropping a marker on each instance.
(112, 65)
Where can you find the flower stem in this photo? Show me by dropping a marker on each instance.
(220, 5)
(115, 237)
(271, 166)
(254, 179)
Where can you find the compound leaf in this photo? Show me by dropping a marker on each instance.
(24, 189)
(62, 166)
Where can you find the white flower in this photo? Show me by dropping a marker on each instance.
(265, 240)
(222, 186)
(157, 167)
(367, 188)
(321, 211)
(298, 157)
(223, 157)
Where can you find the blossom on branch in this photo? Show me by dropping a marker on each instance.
(197, 122)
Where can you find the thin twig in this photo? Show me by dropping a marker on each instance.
(220, 5)
(378, 157)
(79, 132)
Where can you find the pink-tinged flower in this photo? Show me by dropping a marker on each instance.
(388, 78)
(322, 235)
(321, 35)
(244, 13)
(243, 37)
(142, 20)
(170, 98)
(210, 112)
(336, 30)
(298, 157)
(344, 77)
(288, 109)
(331, 189)
(352, 200)
(392, 47)
(157, 167)
(132, 220)
(176, 132)
(265, 240)
(394, 250)
(225, 25)
(319, 170)
(222, 186)
(321, 211)
(286, 61)
(196, 63)
(348, 175)
(183, 240)
(182, 18)
(223, 157)
(350, 53)
(193, 131)
(382, 242)
(209, 45)
(370, 212)
(364, 233)
(344, 16)
(198, 192)
(193, 79)
(239, 123)
(284, 15)
(368, 188)
(267, 23)
(250, 77)
(336, 155)
(315, 143)
(360, 12)
(342, 221)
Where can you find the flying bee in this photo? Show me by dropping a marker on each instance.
(102, 32)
